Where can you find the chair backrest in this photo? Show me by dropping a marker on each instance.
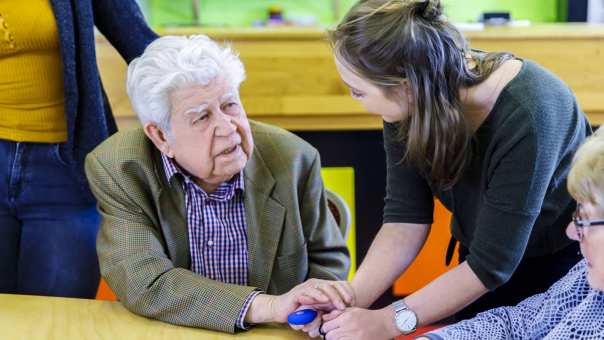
(104, 292)
(340, 211)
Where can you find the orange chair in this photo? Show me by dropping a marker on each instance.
(430, 263)
(340, 211)
(104, 292)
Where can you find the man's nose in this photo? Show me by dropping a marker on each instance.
(224, 124)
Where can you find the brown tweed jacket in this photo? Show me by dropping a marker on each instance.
(143, 244)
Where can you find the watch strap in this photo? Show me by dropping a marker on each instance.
(399, 305)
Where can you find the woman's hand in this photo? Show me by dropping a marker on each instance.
(337, 294)
(322, 296)
(360, 324)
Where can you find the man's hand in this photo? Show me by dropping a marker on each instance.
(272, 308)
(317, 294)
(323, 296)
(312, 328)
(360, 324)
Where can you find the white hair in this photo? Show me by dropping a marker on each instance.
(173, 62)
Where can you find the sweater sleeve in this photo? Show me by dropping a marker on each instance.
(123, 24)
(408, 199)
(528, 156)
(520, 173)
(515, 190)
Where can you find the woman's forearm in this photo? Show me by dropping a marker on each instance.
(446, 295)
(394, 248)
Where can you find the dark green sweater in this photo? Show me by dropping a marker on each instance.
(512, 200)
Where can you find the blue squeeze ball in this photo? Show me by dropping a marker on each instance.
(302, 317)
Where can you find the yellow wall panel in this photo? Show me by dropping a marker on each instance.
(341, 181)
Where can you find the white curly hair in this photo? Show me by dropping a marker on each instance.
(172, 62)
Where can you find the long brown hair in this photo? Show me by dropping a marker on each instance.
(386, 42)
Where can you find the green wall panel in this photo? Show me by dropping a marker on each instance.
(238, 13)
(536, 11)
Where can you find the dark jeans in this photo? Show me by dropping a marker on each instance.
(533, 276)
(47, 229)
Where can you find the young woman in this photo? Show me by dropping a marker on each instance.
(489, 134)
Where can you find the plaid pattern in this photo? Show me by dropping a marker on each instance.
(217, 230)
(248, 302)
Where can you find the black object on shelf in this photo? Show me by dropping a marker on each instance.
(495, 18)
(577, 10)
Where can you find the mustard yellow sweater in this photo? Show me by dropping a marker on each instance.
(31, 79)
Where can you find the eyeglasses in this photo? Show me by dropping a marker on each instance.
(581, 223)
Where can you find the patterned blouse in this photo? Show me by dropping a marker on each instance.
(569, 309)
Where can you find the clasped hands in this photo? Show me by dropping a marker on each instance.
(338, 318)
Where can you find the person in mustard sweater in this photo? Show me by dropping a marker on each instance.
(53, 111)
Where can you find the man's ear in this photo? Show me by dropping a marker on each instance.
(159, 139)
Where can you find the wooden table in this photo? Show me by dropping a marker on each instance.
(48, 318)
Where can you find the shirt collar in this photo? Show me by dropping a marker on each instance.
(225, 191)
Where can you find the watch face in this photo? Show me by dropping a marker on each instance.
(406, 321)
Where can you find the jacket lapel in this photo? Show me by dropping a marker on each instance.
(170, 200)
(264, 217)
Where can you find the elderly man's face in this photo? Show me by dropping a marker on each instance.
(211, 137)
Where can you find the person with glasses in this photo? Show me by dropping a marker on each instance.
(581, 223)
(573, 308)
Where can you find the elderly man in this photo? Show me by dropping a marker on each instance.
(208, 220)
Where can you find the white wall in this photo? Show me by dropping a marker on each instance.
(595, 11)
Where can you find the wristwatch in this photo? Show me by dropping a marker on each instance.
(404, 318)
